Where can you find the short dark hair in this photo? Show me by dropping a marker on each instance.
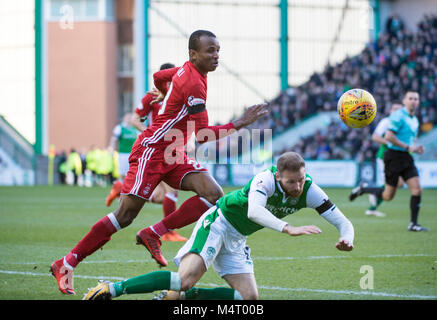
(193, 42)
(408, 90)
(290, 161)
(167, 66)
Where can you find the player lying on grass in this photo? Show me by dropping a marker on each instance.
(219, 237)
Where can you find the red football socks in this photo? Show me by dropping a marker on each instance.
(169, 203)
(189, 211)
(99, 234)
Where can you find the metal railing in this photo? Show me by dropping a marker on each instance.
(15, 145)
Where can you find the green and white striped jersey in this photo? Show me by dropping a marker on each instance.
(234, 205)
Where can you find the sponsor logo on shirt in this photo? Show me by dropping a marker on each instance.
(195, 101)
(280, 211)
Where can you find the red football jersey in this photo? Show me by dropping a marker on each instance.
(145, 108)
(187, 84)
(163, 77)
(182, 110)
(161, 80)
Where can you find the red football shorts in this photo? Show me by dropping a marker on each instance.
(149, 166)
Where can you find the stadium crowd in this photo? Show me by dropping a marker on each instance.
(398, 60)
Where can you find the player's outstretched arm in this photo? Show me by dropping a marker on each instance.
(335, 217)
(206, 133)
(298, 231)
(249, 116)
(319, 200)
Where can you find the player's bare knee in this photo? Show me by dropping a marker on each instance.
(218, 194)
(190, 270)
(125, 216)
(416, 189)
(250, 295)
(416, 192)
(212, 195)
(189, 277)
(128, 210)
(157, 198)
(387, 197)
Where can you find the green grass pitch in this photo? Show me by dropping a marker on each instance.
(41, 224)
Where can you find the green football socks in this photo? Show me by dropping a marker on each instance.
(166, 280)
(149, 282)
(376, 205)
(377, 194)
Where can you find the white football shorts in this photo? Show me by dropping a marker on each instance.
(219, 244)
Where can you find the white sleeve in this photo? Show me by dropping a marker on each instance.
(343, 225)
(263, 186)
(264, 183)
(382, 127)
(319, 200)
(315, 196)
(117, 131)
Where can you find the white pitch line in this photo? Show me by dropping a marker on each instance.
(370, 293)
(83, 262)
(359, 293)
(347, 257)
(254, 258)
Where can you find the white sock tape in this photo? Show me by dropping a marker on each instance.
(175, 281)
(114, 221)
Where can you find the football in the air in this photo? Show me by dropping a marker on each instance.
(356, 108)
